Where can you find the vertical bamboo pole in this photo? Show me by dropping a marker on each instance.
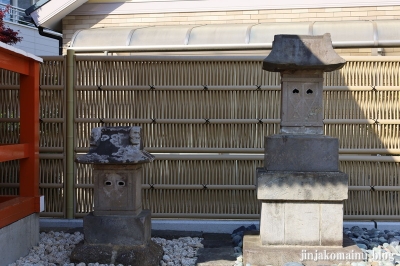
(70, 180)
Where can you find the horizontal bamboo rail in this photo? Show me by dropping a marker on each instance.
(42, 120)
(190, 187)
(361, 158)
(362, 121)
(374, 188)
(41, 87)
(370, 151)
(371, 58)
(100, 87)
(51, 149)
(51, 185)
(232, 121)
(10, 185)
(169, 58)
(50, 156)
(221, 187)
(239, 150)
(214, 58)
(178, 121)
(261, 157)
(176, 88)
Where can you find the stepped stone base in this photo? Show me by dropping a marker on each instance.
(303, 208)
(126, 230)
(256, 254)
(145, 255)
(118, 239)
(303, 153)
(301, 186)
(297, 223)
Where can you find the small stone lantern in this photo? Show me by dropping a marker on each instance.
(300, 186)
(118, 230)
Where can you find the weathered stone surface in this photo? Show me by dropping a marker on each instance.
(331, 223)
(296, 52)
(305, 153)
(117, 189)
(92, 253)
(149, 254)
(118, 231)
(300, 180)
(256, 254)
(302, 107)
(301, 223)
(272, 216)
(126, 230)
(301, 186)
(116, 145)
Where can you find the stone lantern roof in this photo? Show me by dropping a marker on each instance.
(302, 52)
(116, 145)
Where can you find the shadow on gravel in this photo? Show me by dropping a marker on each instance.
(217, 250)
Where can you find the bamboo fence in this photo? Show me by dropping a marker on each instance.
(205, 119)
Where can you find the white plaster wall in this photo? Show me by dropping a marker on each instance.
(32, 42)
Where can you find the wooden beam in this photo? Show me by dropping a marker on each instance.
(13, 152)
(14, 62)
(29, 131)
(6, 198)
(16, 209)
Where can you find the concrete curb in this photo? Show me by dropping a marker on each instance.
(207, 226)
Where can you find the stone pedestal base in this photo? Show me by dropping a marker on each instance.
(301, 208)
(118, 239)
(149, 254)
(303, 153)
(126, 230)
(298, 223)
(256, 254)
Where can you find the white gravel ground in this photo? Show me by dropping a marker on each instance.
(54, 249)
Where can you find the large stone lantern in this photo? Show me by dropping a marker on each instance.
(300, 186)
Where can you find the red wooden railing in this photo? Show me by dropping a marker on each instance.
(13, 208)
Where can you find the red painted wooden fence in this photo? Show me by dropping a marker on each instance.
(13, 208)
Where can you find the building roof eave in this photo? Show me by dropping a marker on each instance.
(49, 14)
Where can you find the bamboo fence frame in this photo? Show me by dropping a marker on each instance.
(205, 118)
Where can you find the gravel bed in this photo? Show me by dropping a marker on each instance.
(381, 248)
(54, 249)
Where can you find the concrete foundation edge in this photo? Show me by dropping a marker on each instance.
(18, 238)
(206, 226)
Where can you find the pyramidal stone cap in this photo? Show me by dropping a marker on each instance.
(303, 52)
(116, 145)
